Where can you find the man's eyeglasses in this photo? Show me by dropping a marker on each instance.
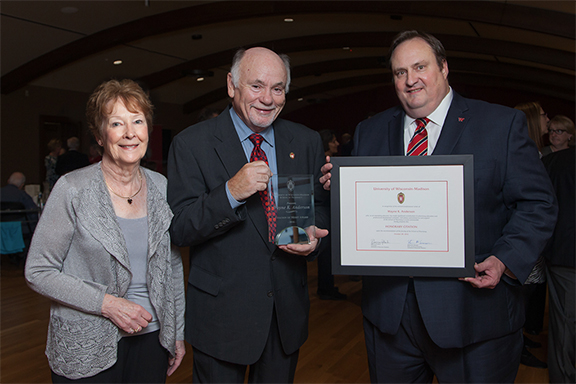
(557, 131)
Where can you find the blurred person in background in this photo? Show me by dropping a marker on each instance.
(561, 134)
(534, 288)
(326, 289)
(71, 159)
(54, 150)
(560, 258)
(537, 121)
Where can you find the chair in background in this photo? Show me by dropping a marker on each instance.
(16, 229)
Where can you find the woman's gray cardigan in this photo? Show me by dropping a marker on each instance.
(78, 254)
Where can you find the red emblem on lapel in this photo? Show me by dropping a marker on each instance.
(460, 119)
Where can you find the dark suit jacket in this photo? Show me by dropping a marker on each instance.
(236, 275)
(70, 161)
(561, 168)
(514, 215)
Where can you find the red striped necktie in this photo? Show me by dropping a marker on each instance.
(419, 144)
(267, 199)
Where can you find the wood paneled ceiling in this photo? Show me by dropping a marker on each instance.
(336, 47)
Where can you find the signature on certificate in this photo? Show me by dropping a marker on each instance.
(379, 243)
(417, 244)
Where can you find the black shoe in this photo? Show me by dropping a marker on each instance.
(529, 343)
(331, 295)
(530, 360)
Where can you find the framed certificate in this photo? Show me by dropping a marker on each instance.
(403, 216)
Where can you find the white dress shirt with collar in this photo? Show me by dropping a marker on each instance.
(434, 127)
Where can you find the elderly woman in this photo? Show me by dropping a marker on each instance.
(102, 254)
(561, 131)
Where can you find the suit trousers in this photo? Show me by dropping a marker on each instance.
(273, 366)
(410, 356)
(561, 324)
(141, 359)
(535, 301)
(325, 276)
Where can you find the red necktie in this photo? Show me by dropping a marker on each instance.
(267, 199)
(419, 144)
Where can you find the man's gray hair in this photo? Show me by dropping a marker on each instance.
(235, 69)
(17, 179)
(73, 143)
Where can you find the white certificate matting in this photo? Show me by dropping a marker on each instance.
(403, 214)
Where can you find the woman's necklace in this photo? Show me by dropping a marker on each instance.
(128, 198)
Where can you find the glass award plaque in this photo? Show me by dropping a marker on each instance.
(294, 202)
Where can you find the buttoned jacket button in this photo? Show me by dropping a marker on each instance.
(270, 294)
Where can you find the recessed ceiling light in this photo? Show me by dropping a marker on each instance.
(346, 48)
(288, 19)
(69, 10)
(300, 99)
(117, 62)
(200, 79)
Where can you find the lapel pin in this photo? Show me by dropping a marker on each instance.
(460, 119)
(291, 155)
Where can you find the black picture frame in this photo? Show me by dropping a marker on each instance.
(343, 237)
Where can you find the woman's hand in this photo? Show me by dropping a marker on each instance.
(128, 316)
(174, 362)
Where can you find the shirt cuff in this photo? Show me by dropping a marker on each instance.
(233, 202)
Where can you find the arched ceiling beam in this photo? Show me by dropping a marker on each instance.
(545, 77)
(486, 80)
(543, 81)
(498, 13)
(456, 80)
(499, 48)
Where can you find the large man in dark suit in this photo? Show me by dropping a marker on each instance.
(247, 299)
(461, 330)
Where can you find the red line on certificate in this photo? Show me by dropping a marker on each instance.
(400, 199)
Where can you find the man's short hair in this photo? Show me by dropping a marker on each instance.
(239, 55)
(433, 42)
(73, 143)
